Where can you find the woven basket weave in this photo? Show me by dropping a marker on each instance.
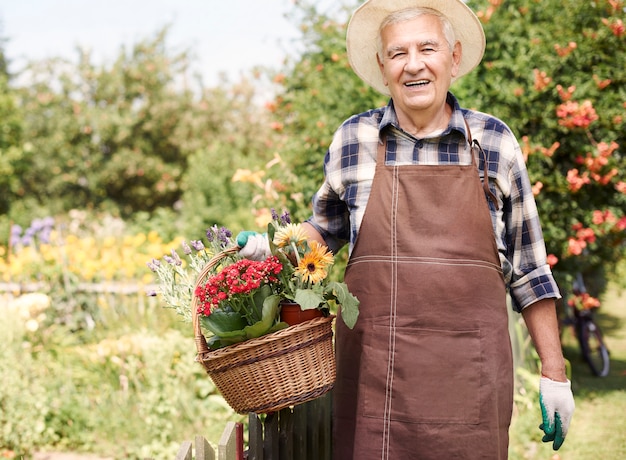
(272, 372)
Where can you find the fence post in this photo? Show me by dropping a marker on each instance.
(184, 452)
(228, 447)
(204, 451)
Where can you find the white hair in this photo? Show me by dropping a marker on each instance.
(412, 13)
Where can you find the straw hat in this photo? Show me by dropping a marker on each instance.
(363, 28)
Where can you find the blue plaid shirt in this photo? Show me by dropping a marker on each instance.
(350, 163)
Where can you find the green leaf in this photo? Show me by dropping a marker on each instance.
(349, 303)
(222, 322)
(230, 328)
(259, 297)
(270, 313)
(308, 299)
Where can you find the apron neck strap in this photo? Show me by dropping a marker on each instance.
(475, 146)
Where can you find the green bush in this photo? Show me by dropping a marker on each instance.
(557, 85)
(128, 388)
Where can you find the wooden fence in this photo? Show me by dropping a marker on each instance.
(299, 433)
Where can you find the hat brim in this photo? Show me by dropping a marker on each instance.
(362, 35)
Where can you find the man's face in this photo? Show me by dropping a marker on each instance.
(417, 64)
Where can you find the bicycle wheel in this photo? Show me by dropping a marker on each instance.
(593, 348)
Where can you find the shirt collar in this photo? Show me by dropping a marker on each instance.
(457, 120)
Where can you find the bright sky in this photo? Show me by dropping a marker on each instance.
(228, 36)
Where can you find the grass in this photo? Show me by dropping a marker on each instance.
(598, 429)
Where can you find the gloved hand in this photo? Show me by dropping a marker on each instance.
(557, 408)
(254, 246)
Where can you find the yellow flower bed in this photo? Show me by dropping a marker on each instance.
(86, 259)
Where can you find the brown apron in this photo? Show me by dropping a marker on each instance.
(427, 371)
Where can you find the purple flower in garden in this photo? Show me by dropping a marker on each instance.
(48, 222)
(176, 258)
(285, 218)
(16, 234)
(36, 225)
(186, 248)
(211, 233)
(153, 265)
(274, 214)
(220, 235)
(197, 245)
(223, 236)
(44, 235)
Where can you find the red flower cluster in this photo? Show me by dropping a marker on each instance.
(584, 302)
(240, 279)
(574, 115)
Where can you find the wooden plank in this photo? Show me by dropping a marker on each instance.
(204, 451)
(313, 429)
(285, 434)
(270, 436)
(300, 432)
(327, 426)
(255, 437)
(227, 446)
(184, 452)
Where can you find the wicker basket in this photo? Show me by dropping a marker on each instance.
(269, 373)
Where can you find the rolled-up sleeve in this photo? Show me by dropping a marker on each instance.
(531, 276)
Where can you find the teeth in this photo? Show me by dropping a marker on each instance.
(417, 83)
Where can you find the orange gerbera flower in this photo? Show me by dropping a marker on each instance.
(314, 265)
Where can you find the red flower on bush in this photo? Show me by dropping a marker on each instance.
(575, 115)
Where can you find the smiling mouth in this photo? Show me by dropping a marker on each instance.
(417, 84)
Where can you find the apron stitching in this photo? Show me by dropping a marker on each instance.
(392, 316)
(428, 260)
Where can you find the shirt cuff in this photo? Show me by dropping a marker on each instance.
(534, 286)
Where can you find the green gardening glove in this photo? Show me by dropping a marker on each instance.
(557, 408)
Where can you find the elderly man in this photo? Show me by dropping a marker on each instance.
(436, 206)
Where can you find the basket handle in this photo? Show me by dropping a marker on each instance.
(201, 343)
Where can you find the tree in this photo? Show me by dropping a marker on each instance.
(557, 84)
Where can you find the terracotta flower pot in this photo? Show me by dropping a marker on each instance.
(291, 313)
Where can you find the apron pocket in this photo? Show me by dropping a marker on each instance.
(432, 377)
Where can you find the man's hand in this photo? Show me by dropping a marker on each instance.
(557, 408)
(254, 246)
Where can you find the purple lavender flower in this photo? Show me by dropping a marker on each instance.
(274, 214)
(285, 218)
(197, 245)
(211, 233)
(153, 265)
(176, 258)
(223, 236)
(186, 248)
